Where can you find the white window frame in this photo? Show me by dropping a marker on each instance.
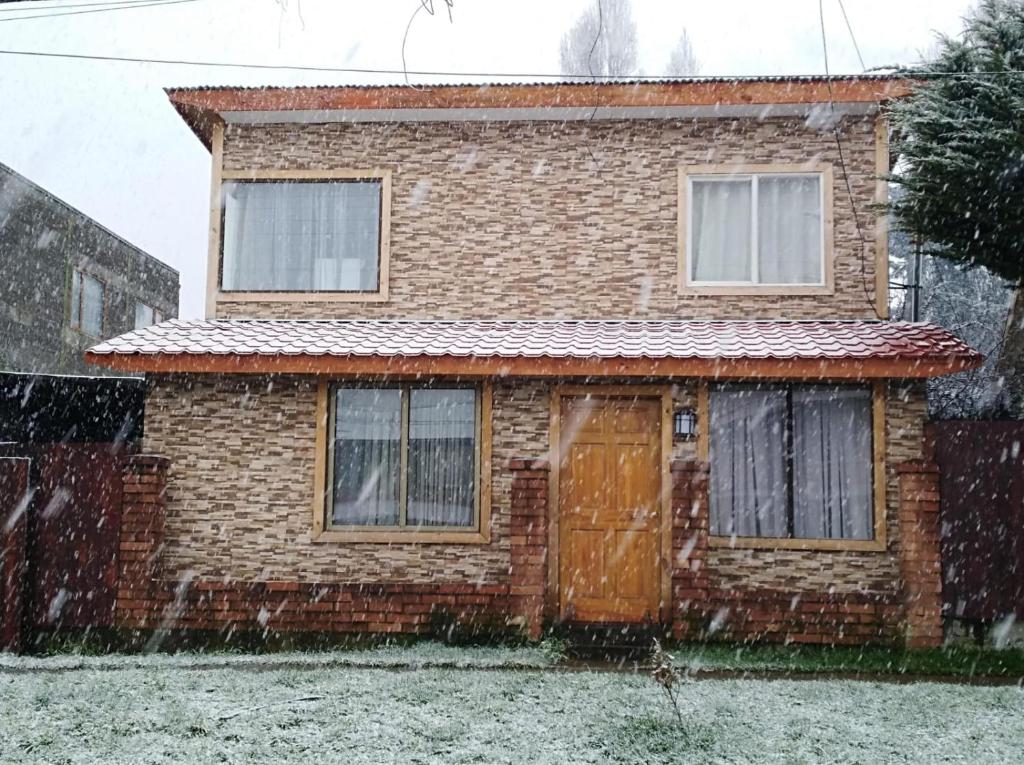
(713, 173)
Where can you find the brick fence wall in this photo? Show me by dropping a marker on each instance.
(920, 562)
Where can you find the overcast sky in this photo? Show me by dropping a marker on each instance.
(103, 137)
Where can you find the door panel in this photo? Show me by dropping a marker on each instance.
(609, 508)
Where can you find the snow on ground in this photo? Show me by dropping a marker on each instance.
(165, 714)
(418, 655)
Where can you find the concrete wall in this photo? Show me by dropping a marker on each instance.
(42, 241)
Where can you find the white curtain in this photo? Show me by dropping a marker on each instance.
(442, 457)
(720, 224)
(367, 454)
(832, 471)
(789, 230)
(748, 492)
(301, 236)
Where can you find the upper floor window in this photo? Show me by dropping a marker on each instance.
(88, 297)
(756, 228)
(302, 235)
(146, 315)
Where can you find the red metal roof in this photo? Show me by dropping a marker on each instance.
(919, 349)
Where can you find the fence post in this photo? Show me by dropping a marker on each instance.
(15, 498)
(919, 553)
(142, 538)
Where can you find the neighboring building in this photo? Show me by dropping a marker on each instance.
(515, 355)
(67, 282)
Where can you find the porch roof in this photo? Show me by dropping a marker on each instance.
(718, 349)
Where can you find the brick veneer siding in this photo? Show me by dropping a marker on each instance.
(920, 563)
(689, 547)
(528, 539)
(551, 219)
(237, 532)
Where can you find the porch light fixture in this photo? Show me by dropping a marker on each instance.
(684, 424)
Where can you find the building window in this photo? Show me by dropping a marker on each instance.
(146, 315)
(87, 303)
(302, 235)
(404, 456)
(791, 461)
(755, 229)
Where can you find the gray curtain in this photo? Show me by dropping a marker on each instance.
(720, 243)
(748, 492)
(832, 469)
(789, 229)
(367, 454)
(442, 457)
(301, 236)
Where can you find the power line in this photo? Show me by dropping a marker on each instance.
(18, 6)
(907, 74)
(120, 7)
(846, 175)
(852, 36)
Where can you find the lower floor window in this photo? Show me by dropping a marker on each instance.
(791, 461)
(404, 456)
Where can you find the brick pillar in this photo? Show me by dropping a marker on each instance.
(15, 498)
(689, 547)
(920, 562)
(528, 532)
(142, 538)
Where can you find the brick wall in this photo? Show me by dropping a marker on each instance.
(552, 219)
(237, 531)
(920, 563)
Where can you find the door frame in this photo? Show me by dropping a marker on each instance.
(662, 393)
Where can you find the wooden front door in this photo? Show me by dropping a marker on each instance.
(609, 496)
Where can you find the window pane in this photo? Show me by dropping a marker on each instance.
(720, 236)
(789, 230)
(92, 306)
(76, 299)
(832, 472)
(442, 457)
(748, 462)
(301, 236)
(367, 454)
(143, 315)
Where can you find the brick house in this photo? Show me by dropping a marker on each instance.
(528, 354)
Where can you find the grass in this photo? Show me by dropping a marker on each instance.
(160, 714)
(956, 661)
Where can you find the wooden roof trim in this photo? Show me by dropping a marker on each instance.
(872, 368)
(649, 94)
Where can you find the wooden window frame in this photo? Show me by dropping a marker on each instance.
(879, 477)
(662, 393)
(687, 173)
(75, 322)
(325, 531)
(216, 294)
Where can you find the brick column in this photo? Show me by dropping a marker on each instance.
(141, 542)
(689, 547)
(15, 498)
(920, 562)
(528, 532)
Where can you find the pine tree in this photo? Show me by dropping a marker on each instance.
(959, 139)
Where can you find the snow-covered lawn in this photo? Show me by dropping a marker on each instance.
(151, 710)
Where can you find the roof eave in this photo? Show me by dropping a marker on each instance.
(531, 366)
(201, 107)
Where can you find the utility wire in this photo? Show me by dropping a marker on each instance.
(19, 6)
(124, 7)
(583, 78)
(852, 36)
(846, 175)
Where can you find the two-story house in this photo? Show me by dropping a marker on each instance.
(524, 354)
